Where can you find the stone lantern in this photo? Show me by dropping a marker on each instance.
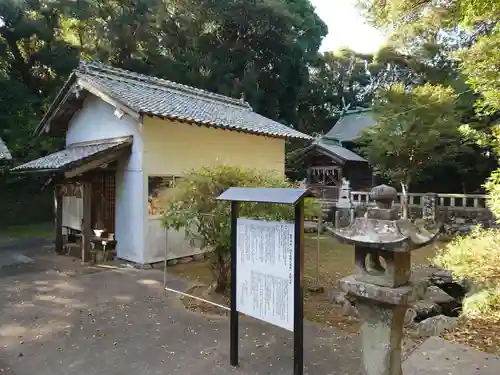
(381, 285)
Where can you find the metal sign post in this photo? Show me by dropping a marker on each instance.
(267, 266)
(234, 313)
(298, 287)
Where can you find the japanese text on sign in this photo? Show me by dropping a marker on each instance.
(265, 271)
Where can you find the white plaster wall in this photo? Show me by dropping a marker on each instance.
(96, 120)
(72, 212)
(131, 210)
(156, 240)
(159, 239)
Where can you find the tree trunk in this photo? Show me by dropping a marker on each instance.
(221, 273)
(404, 200)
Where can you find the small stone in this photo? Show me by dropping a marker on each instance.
(172, 262)
(185, 260)
(338, 298)
(146, 266)
(349, 310)
(443, 276)
(426, 309)
(199, 257)
(158, 265)
(315, 289)
(410, 316)
(310, 227)
(438, 296)
(436, 325)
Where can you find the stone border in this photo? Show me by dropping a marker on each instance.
(160, 265)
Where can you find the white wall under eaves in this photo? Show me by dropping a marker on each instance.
(96, 121)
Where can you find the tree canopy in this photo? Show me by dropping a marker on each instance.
(415, 129)
(259, 49)
(455, 44)
(263, 50)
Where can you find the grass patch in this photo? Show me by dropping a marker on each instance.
(336, 260)
(40, 230)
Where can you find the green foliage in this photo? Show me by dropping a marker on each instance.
(483, 303)
(401, 12)
(475, 258)
(458, 41)
(337, 80)
(474, 25)
(34, 61)
(488, 139)
(416, 128)
(429, 43)
(493, 188)
(481, 64)
(260, 49)
(193, 207)
(455, 43)
(264, 50)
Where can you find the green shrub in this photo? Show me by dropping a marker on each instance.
(475, 258)
(191, 205)
(493, 188)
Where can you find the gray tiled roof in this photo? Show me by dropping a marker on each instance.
(4, 151)
(72, 154)
(158, 97)
(335, 148)
(349, 127)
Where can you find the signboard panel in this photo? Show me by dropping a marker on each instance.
(265, 271)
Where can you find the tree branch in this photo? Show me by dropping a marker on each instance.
(19, 64)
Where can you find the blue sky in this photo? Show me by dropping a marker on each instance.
(346, 27)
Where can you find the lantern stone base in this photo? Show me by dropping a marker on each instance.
(381, 338)
(403, 295)
(382, 311)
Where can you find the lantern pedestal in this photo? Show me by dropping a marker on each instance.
(381, 285)
(382, 311)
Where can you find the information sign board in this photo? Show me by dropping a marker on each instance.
(265, 271)
(267, 266)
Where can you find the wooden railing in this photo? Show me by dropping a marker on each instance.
(458, 201)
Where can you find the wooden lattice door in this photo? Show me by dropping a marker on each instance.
(104, 201)
(110, 201)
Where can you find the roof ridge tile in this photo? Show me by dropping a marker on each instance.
(95, 68)
(151, 96)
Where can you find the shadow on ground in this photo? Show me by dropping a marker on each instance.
(58, 317)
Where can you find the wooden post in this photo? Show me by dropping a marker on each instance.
(58, 197)
(87, 221)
